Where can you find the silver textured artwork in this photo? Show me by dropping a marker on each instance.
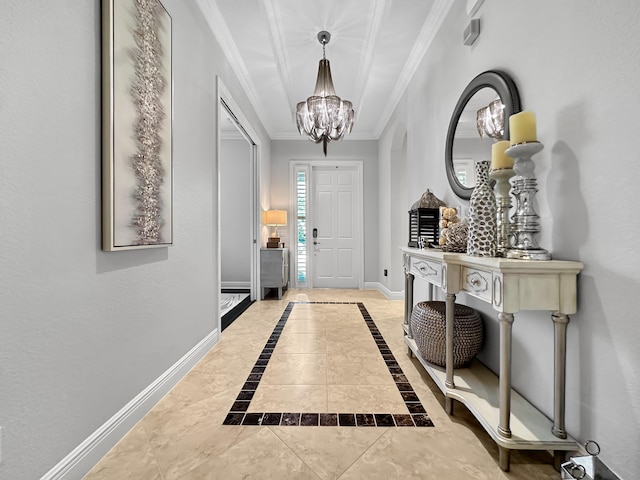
(137, 125)
(148, 85)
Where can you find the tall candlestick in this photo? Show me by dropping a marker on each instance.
(498, 158)
(525, 224)
(503, 203)
(522, 128)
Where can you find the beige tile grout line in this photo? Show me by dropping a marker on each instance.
(384, 432)
(153, 450)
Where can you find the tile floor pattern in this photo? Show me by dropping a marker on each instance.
(416, 416)
(317, 366)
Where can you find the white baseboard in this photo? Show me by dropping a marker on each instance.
(235, 285)
(84, 457)
(384, 290)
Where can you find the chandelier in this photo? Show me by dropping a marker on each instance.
(324, 116)
(490, 120)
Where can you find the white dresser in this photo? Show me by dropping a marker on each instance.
(274, 269)
(509, 285)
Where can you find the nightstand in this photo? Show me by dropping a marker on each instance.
(274, 269)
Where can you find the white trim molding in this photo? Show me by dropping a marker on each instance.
(86, 455)
(473, 6)
(384, 290)
(235, 285)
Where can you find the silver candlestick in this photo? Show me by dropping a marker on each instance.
(525, 221)
(503, 202)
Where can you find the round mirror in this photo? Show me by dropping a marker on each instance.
(480, 118)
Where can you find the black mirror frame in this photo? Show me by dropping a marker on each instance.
(508, 93)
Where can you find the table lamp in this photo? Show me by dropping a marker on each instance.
(275, 219)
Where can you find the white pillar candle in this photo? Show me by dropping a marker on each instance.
(499, 159)
(522, 128)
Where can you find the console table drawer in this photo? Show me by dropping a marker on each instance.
(477, 283)
(430, 271)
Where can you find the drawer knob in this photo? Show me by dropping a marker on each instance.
(476, 282)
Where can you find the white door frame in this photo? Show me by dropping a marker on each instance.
(293, 234)
(225, 100)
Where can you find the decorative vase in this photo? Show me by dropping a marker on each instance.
(481, 241)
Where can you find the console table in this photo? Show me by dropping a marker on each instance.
(509, 285)
(274, 270)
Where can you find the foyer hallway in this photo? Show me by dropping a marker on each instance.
(301, 361)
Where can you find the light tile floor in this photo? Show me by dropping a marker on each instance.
(319, 365)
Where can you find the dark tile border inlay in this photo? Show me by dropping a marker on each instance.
(417, 415)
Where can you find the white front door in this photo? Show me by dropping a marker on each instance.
(335, 227)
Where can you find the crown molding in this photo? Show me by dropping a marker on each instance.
(377, 13)
(431, 26)
(221, 32)
(276, 29)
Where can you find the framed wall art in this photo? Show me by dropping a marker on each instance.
(137, 113)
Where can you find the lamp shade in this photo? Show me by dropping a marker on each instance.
(275, 217)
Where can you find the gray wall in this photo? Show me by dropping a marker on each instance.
(283, 151)
(576, 64)
(235, 211)
(85, 331)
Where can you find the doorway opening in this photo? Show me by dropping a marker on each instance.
(237, 226)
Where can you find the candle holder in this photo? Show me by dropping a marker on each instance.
(503, 202)
(525, 225)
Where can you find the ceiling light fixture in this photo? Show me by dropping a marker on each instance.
(324, 116)
(490, 120)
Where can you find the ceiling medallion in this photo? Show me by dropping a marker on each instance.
(324, 116)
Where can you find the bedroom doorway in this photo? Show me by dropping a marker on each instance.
(238, 189)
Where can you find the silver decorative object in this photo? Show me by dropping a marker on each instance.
(490, 120)
(481, 241)
(503, 204)
(525, 220)
(148, 86)
(137, 106)
(324, 116)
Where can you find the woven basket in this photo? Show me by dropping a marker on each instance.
(429, 326)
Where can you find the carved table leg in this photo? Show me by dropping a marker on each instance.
(504, 458)
(559, 457)
(448, 405)
(408, 302)
(506, 322)
(450, 300)
(450, 309)
(560, 322)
